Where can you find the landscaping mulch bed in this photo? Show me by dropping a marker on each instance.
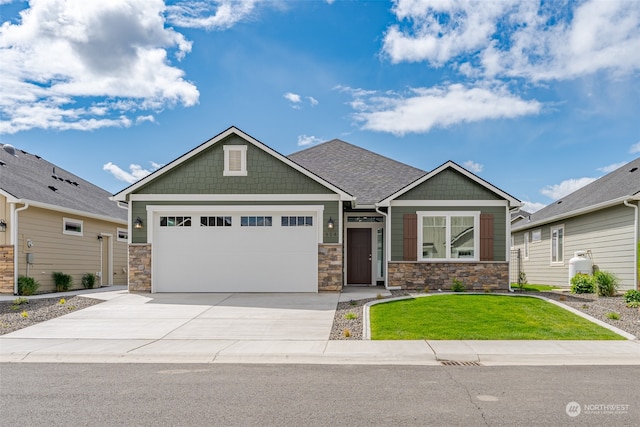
(38, 310)
(591, 304)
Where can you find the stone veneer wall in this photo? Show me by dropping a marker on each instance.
(329, 267)
(6, 269)
(140, 267)
(476, 276)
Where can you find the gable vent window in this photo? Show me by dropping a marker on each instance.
(235, 160)
(72, 227)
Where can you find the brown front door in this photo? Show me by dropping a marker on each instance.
(358, 256)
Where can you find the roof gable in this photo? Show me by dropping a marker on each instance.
(27, 178)
(480, 189)
(621, 184)
(208, 156)
(367, 175)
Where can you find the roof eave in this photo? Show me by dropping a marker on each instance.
(576, 212)
(70, 211)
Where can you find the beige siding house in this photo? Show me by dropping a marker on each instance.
(52, 220)
(601, 218)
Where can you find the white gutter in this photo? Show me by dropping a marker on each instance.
(14, 242)
(635, 245)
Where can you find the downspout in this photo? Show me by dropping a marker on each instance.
(14, 242)
(386, 243)
(509, 211)
(635, 244)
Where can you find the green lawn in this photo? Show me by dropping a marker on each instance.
(480, 317)
(535, 288)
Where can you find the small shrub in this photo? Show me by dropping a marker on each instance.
(582, 284)
(20, 301)
(27, 285)
(346, 333)
(379, 296)
(522, 279)
(631, 296)
(606, 283)
(88, 280)
(63, 281)
(562, 298)
(62, 301)
(24, 314)
(633, 304)
(613, 315)
(352, 302)
(458, 286)
(350, 316)
(426, 290)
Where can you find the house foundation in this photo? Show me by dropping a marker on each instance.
(330, 258)
(6, 269)
(139, 268)
(475, 276)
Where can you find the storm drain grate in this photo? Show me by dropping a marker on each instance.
(458, 363)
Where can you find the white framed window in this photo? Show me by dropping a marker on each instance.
(557, 245)
(72, 227)
(526, 245)
(235, 160)
(175, 221)
(449, 236)
(256, 221)
(296, 221)
(536, 235)
(216, 221)
(513, 242)
(122, 235)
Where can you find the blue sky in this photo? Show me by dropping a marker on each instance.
(538, 98)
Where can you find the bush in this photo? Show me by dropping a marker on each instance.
(606, 283)
(632, 296)
(458, 286)
(88, 280)
(63, 281)
(27, 285)
(582, 284)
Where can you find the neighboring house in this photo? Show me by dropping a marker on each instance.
(52, 220)
(233, 215)
(601, 218)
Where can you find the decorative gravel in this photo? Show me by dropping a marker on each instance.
(597, 307)
(12, 315)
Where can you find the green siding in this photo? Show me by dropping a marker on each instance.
(203, 174)
(449, 185)
(499, 227)
(330, 210)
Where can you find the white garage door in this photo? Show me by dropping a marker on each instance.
(251, 251)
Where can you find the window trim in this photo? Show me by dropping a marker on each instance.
(243, 160)
(122, 230)
(71, 232)
(537, 231)
(526, 245)
(551, 231)
(448, 215)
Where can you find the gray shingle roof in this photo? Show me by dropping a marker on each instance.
(368, 176)
(623, 182)
(29, 177)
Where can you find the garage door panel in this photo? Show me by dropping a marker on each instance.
(235, 259)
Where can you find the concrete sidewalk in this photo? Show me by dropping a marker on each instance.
(264, 328)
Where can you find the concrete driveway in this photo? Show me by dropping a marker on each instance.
(265, 317)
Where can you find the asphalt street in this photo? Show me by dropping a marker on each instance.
(36, 394)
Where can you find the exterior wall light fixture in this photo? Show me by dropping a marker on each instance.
(330, 223)
(138, 224)
(3, 225)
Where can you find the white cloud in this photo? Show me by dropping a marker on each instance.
(61, 56)
(296, 100)
(535, 40)
(142, 119)
(293, 97)
(473, 166)
(611, 167)
(136, 172)
(312, 101)
(304, 140)
(441, 30)
(422, 109)
(532, 207)
(210, 15)
(635, 148)
(568, 186)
